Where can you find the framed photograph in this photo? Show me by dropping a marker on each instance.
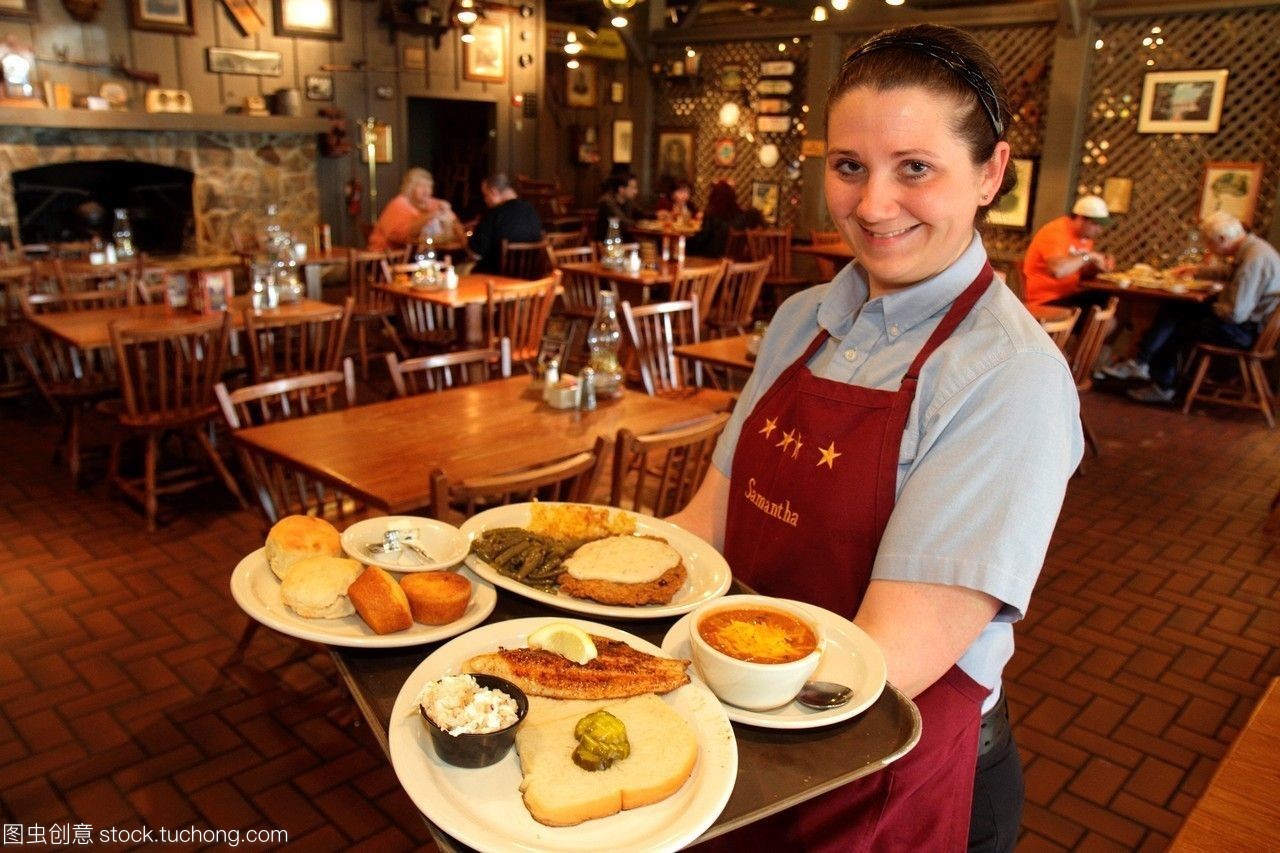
(246, 15)
(731, 77)
(177, 293)
(617, 92)
(675, 153)
(1182, 101)
(586, 145)
(312, 19)
(162, 16)
(415, 58)
(1232, 187)
(485, 59)
(623, 135)
(319, 87)
(725, 152)
(214, 289)
(18, 9)
(764, 198)
(582, 85)
(381, 144)
(1014, 208)
(232, 60)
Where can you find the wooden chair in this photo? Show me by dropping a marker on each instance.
(1060, 330)
(432, 373)
(1254, 390)
(17, 368)
(654, 331)
(570, 255)
(280, 489)
(827, 268)
(658, 473)
(775, 242)
(519, 312)
(566, 239)
(1088, 345)
(701, 282)
(730, 312)
(152, 284)
(70, 378)
(167, 378)
(77, 277)
(736, 248)
(580, 297)
(524, 260)
(425, 325)
(364, 270)
(571, 479)
(284, 345)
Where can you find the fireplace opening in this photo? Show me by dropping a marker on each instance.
(73, 201)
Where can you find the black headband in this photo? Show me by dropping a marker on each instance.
(953, 61)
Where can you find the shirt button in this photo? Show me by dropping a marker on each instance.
(850, 354)
(893, 330)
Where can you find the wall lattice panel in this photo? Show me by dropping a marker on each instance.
(695, 104)
(1167, 169)
(1024, 55)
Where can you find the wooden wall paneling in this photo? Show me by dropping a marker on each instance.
(56, 29)
(156, 52)
(192, 74)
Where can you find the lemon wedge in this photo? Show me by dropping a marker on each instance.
(568, 641)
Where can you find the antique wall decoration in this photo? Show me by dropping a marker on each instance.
(232, 60)
(725, 152)
(317, 19)
(623, 138)
(1182, 101)
(245, 13)
(485, 58)
(1232, 187)
(163, 16)
(319, 87)
(381, 145)
(1014, 208)
(617, 92)
(582, 85)
(764, 198)
(675, 153)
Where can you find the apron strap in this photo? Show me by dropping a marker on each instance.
(958, 311)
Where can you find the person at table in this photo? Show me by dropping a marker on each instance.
(506, 217)
(677, 205)
(857, 470)
(1062, 252)
(1234, 319)
(618, 202)
(721, 216)
(414, 215)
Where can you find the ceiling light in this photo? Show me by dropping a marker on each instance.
(839, 5)
(572, 63)
(819, 13)
(619, 21)
(729, 114)
(467, 36)
(690, 52)
(467, 13)
(893, 2)
(571, 45)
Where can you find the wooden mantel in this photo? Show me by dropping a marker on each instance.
(135, 120)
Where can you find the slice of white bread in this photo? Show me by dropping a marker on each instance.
(316, 587)
(558, 792)
(296, 536)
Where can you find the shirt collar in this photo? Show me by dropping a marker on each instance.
(846, 298)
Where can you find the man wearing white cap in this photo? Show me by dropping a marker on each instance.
(1251, 293)
(1062, 251)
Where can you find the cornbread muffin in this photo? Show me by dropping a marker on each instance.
(380, 601)
(316, 587)
(436, 598)
(296, 536)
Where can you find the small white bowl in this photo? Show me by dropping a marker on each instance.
(747, 685)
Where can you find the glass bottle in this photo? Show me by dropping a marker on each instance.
(613, 243)
(122, 234)
(603, 341)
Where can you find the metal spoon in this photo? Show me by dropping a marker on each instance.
(823, 695)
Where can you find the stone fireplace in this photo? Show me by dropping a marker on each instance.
(234, 174)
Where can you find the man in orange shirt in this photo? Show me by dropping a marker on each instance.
(1062, 251)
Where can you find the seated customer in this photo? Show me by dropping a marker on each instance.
(1251, 293)
(508, 217)
(721, 216)
(1062, 251)
(677, 205)
(618, 202)
(415, 215)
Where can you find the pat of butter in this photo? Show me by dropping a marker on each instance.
(405, 528)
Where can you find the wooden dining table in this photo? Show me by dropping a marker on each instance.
(385, 453)
(88, 330)
(639, 283)
(837, 252)
(470, 296)
(1193, 290)
(730, 352)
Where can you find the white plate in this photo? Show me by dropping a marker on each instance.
(482, 808)
(442, 541)
(257, 591)
(709, 575)
(851, 658)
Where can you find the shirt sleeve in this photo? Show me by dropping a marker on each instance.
(1243, 292)
(981, 493)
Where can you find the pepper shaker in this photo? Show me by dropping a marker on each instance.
(586, 389)
(551, 379)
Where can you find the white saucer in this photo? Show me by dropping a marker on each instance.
(851, 658)
(446, 543)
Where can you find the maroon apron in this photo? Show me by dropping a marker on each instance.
(814, 481)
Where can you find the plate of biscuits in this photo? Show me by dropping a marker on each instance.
(301, 584)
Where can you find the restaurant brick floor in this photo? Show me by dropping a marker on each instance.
(122, 702)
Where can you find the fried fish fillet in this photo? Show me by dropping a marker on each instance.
(618, 671)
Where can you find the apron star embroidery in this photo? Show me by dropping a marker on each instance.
(829, 455)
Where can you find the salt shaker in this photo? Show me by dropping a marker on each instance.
(551, 379)
(586, 389)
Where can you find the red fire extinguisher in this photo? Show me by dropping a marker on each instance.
(355, 197)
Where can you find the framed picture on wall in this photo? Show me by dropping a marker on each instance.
(1013, 210)
(1182, 101)
(623, 131)
(163, 16)
(18, 9)
(582, 85)
(725, 152)
(1232, 187)
(675, 153)
(617, 92)
(381, 144)
(319, 87)
(764, 198)
(485, 58)
(316, 19)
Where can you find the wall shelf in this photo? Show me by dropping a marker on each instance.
(134, 120)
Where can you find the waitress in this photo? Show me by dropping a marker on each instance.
(920, 429)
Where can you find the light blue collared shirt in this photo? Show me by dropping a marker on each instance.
(991, 439)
